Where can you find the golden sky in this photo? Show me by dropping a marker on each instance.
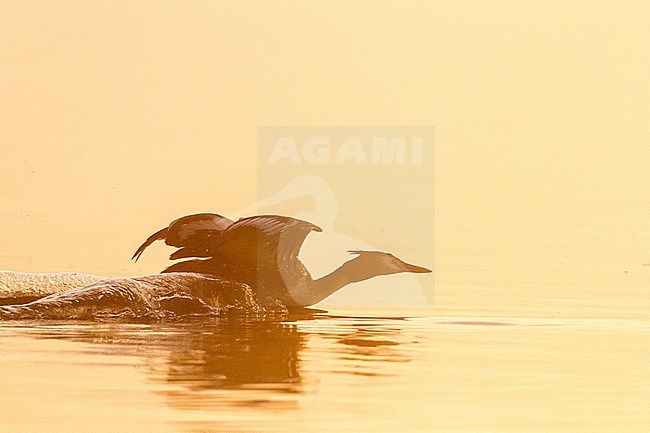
(116, 117)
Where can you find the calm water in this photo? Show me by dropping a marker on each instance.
(346, 370)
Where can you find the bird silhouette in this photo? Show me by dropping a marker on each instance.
(262, 252)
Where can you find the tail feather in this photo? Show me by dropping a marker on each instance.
(158, 236)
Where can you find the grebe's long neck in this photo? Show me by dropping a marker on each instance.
(315, 291)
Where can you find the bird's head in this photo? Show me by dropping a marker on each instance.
(373, 263)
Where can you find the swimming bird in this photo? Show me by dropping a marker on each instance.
(262, 252)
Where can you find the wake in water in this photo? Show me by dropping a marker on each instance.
(21, 288)
(152, 297)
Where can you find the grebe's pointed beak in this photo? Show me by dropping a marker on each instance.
(417, 269)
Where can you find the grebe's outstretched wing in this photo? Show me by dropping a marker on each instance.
(262, 239)
(191, 233)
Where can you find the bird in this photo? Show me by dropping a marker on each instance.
(262, 251)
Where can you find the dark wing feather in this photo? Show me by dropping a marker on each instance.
(264, 240)
(191, 233)
(186, 229)
(158, 236)
(200, 266)
(198, 245)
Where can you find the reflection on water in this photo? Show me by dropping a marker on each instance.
(200, 356)
(226, 356)
(320, 372)
(204, 355)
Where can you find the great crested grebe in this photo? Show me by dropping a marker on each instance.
(262, 252)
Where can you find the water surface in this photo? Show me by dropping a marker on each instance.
(348, 370)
